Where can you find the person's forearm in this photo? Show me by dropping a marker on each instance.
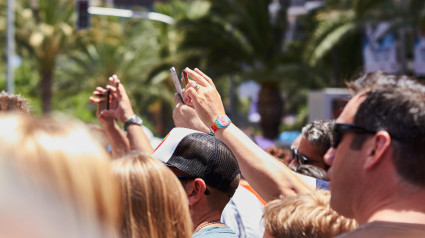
(138, 139)
(117, 140)
(269, 177)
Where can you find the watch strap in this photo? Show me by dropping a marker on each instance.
(134, 120)
(222, 121)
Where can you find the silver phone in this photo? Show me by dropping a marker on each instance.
(176, 82)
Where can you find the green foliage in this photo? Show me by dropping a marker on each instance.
(225, 38)
(342, 23)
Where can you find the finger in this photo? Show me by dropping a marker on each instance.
(197, 77)
(205, 77)
(188, 101)
(191, 84)
(97, 93)
(94, 100)
(117, 82)
(107, 113)
(100, 89)
(114, 80)
(191, 94)
(111, 88)
(117, 87)
(177, 99)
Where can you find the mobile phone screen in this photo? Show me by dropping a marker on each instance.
(176, 82)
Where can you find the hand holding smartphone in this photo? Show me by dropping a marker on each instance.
(103, 101)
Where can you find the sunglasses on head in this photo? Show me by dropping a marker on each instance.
(338, 129)
(300, 158)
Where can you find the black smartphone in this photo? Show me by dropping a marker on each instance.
(104, 101)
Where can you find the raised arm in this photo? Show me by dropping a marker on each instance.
(124, 113)
(269, 177)
(116, 138)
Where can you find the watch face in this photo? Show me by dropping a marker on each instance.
(222, 121)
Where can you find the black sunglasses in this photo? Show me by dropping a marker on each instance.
(340, 128)
(180, 177)
(300, 158)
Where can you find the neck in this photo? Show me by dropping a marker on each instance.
(404, 207)
(206, 218)
(206, 224)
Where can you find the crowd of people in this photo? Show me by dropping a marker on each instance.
(361, 175)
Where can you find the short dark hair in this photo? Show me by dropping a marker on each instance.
(396, 104)
(318, 133)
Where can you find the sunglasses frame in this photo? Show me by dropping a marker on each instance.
(301, 158)
(338, 129)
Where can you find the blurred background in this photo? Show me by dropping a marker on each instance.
(277, 64)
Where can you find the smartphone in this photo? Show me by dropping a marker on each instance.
(176, 82)
(104, 101)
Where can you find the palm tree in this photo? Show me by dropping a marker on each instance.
(341, 25)
(44, 30)
(240, 37)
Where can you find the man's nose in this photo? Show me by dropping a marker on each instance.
(329, 156)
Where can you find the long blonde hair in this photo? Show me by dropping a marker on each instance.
(155, 204)
(61, 155)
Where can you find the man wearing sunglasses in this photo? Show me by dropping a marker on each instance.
(377, 158)
(314, 142)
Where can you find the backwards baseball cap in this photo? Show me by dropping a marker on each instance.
(199, 155)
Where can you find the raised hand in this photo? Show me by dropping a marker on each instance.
(185, 116)
(204, 96)
(120, 103)
(106, 122)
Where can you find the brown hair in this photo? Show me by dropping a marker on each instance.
(61, 155)
(394, 104)
(10, 102)
(307, 215)
(154, 202)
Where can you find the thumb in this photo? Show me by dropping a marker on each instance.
(108, 113)
(177, 99)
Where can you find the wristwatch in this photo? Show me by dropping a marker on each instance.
(133, 120)
(221, 121)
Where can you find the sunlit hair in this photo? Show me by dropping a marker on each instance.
(61, 155)
(318, 133)
(10, 102)
(155, 204)
(306, 215)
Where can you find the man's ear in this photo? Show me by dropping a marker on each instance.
(196, 190)
(377, 148)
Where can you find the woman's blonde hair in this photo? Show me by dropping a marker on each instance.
(155, 204)
(61, 155)
(307, 215)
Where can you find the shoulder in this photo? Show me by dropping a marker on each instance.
(387, 229)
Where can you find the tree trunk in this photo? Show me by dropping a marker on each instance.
(46, 90)
(270, 108)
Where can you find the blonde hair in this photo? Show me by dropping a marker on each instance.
(155, 204)
(307, 215)
(61, 155)
(10, 102)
